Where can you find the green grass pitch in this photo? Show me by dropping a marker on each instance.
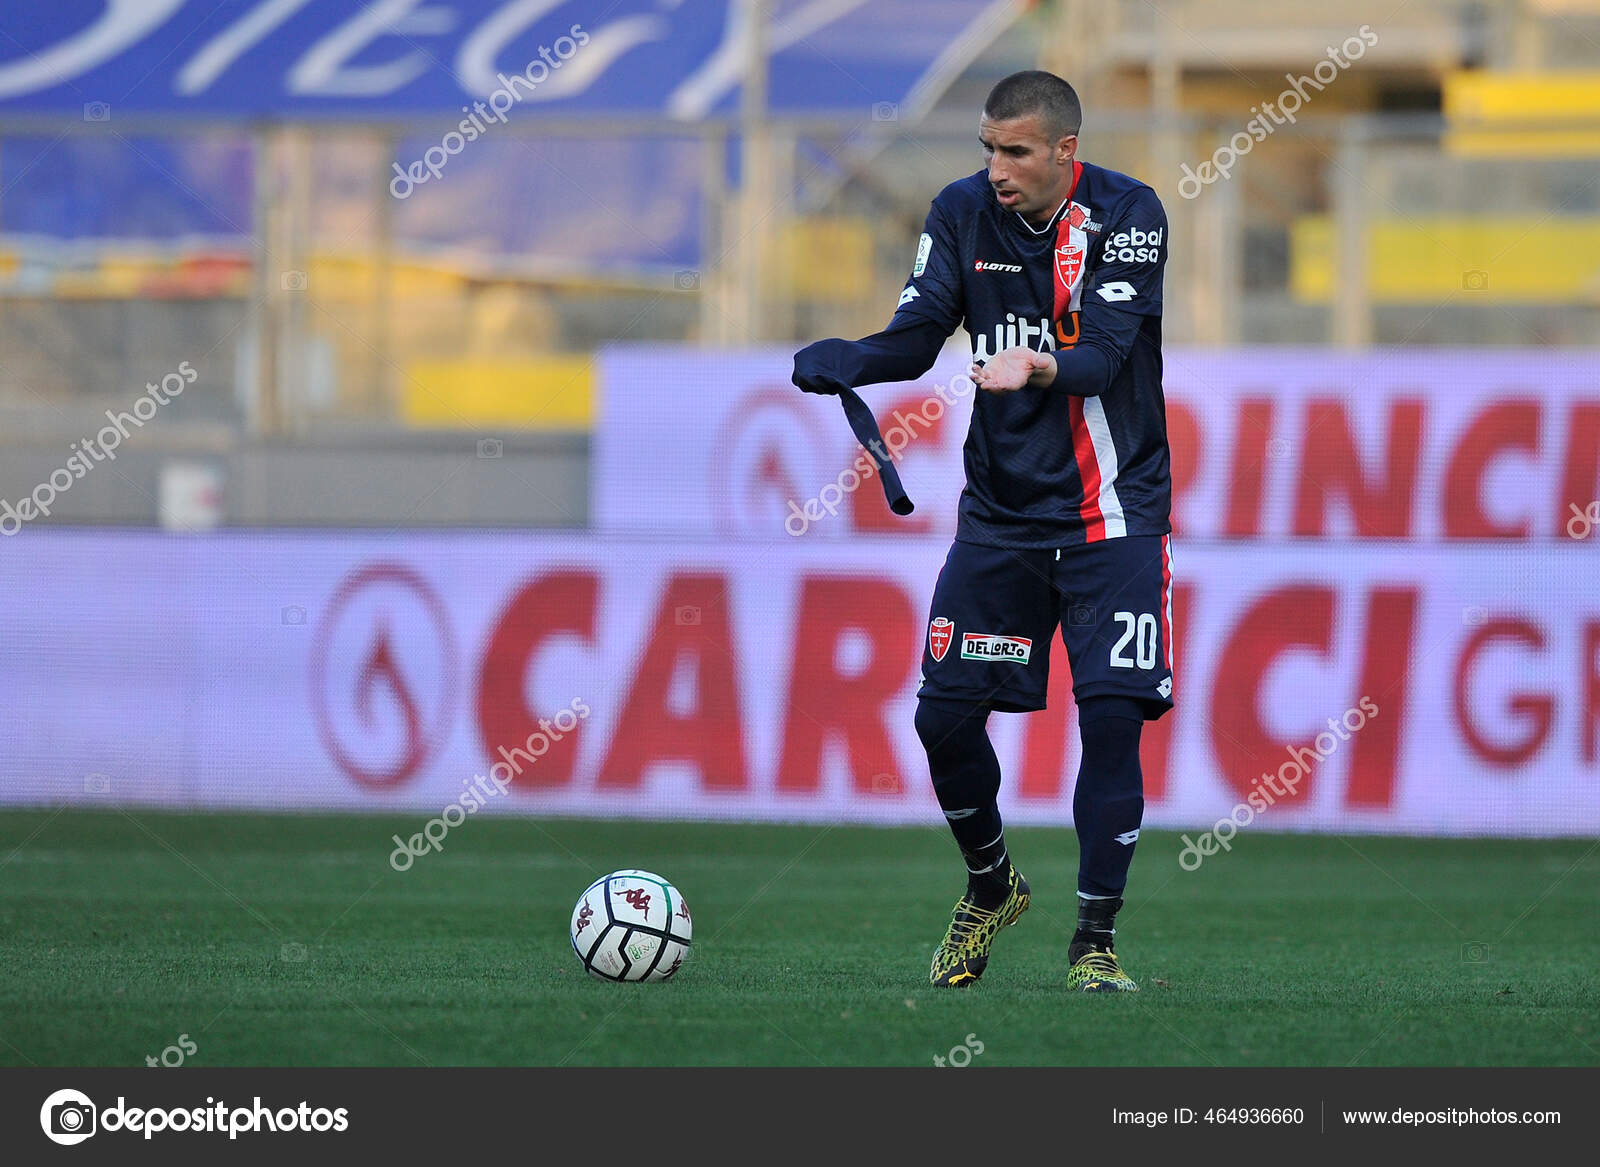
(288, 940)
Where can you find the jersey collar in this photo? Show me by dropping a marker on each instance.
(1077, 174)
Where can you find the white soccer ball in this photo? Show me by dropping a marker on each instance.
(631, 926)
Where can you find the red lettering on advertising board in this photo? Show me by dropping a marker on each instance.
(1331, 465)
(1297, 617)
(1248, 470)
(827, 702)
(562, 602)
(1532, 712)
(689, 637)
(1507, 426)
(1183, 439)
(1385, 681)
(1580, 481)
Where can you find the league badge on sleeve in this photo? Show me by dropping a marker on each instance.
(940, 633)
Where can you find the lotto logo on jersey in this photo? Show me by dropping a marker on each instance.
(1133, 246)
(983, 646)
(939, 633)
(1069, 265)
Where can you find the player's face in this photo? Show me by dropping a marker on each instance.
(1029, 171)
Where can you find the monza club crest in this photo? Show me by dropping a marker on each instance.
(1069, 265)
(940, 633)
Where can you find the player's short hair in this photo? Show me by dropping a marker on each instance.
(1036, 91)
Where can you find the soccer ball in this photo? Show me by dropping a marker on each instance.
(631, 926)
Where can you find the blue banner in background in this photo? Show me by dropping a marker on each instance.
(94, 59)
(128, 187)
(507, 201)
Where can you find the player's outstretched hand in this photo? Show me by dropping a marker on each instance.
(815, 365)
(1013, 368)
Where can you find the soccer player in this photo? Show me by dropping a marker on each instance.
(1055, 267)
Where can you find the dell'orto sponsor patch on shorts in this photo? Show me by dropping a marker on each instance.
(984, 646)
(939, 633)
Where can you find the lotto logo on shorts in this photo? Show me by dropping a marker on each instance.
(939, 633)
(982, 646)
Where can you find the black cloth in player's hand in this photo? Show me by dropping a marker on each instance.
(816, 367)
(902, 352)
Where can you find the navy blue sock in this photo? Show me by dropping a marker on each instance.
(966, 780)
(1108, 804)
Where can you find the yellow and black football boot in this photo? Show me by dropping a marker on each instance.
(964, 952)
(1098, 971)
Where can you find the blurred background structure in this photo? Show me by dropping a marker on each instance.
(222, 187)
(476, 318)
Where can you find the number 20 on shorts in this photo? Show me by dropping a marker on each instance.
(1143, 632)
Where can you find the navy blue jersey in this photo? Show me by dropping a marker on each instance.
(1046, 467)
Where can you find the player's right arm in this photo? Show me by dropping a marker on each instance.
(930, 309)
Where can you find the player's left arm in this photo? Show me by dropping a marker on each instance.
(1123, 289)
(931, 308)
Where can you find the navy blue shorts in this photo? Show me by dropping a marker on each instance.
(995, 612)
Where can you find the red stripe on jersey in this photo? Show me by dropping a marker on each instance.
(1082, 444)
(1094, 523)
(1166, 596)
